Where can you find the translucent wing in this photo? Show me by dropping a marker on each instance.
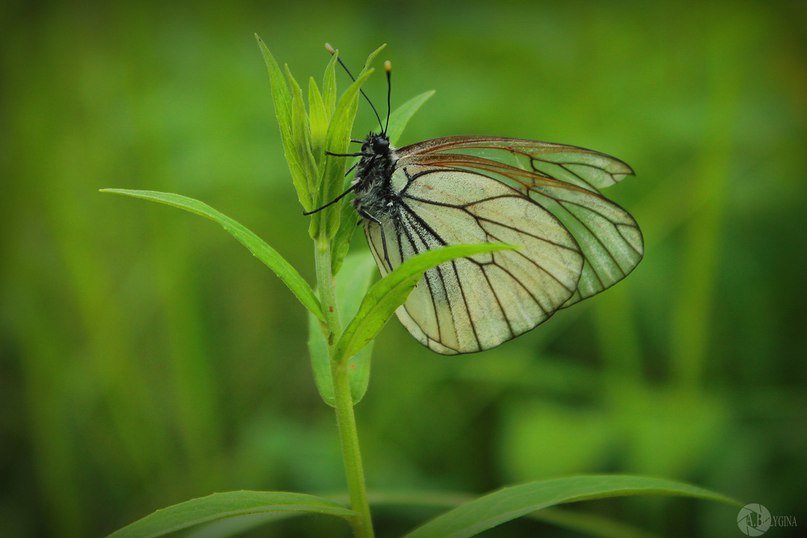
(582, 167)
(475, 303)
(608, 236)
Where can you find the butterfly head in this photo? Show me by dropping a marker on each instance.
(376, 144)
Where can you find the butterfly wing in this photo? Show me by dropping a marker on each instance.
(563, 180)
(589, 169)
(475, 303)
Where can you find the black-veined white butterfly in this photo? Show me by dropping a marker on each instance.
(540, 196)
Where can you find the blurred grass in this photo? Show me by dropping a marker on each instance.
(146, 359)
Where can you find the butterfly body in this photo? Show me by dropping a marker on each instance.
(375, 199)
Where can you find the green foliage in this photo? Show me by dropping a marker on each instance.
(220, 506)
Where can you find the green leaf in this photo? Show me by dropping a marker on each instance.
(589, 523)
(372, 56)
(513, 502)
(225, 505)
(401, 115)
(282, 99)
(269, 256)
(280, 91)
(359, 270)
(391, 291)
(320, 362)
(576, 520)
(329, 85)
(340, 245)
(319, 120)
(301, 133)
(239, 525)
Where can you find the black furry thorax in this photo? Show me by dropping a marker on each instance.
(375, 197)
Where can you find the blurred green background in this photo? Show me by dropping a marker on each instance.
(146, 358)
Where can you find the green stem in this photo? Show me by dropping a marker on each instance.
(345, 418)
(351, 454)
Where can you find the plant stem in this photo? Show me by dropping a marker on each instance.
(351, 454)
(345, 418)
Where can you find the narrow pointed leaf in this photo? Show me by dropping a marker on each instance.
(320, 361)
(259, 248)
(319, 120)
(301, 133)
(282, 98)
(280, 91)
(391, 292)
(329, 85)
(372, 56)
(513, 502)
(587, 523)
(350, 288)
(348, 221)
(401, 115)
(239, 525)
(219, 506)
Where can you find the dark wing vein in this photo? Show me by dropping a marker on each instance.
(380, 259)
(407, 226)
(498, 301)
(465, 302)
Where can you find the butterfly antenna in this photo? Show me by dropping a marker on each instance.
(388, 70)
(332, 51)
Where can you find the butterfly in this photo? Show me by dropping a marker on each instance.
(540, 196)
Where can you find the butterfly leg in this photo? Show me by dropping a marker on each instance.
(368, 216)
(358, 154)
(349, 170)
